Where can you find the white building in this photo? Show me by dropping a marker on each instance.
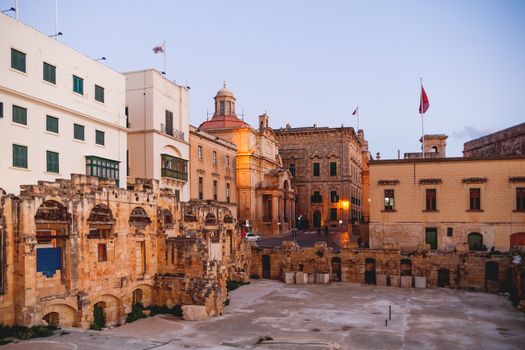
(60, 111)
(158, 139)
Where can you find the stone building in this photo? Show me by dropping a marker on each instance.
(435, 147)
(447, 203)
(212, 169)
(265, 195)
(61, 112)
(73, 244)
(326, 165)
(159, 136)
(510, 141)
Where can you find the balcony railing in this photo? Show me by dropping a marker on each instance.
(173, 167)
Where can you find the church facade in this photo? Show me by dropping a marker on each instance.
(266, 198)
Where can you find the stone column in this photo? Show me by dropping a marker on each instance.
(275, 214)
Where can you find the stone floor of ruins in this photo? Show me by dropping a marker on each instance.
(336, 316)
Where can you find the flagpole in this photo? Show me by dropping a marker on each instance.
(164, 53)
(421, 114)
(357, 118)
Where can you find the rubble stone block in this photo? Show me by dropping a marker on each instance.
(323, 278)
(194, 312)
(311, 278)
(381, 280)
(394, 280)
(289, 278)
(301, 278)
(420, 282)
(406, 281)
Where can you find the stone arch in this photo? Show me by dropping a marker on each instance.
(167, 219)
(112, 307)
(65, 315)
(189, 216)
(142, 294)
(210, 219)
(52, 211)
(138, 217)
(171, 150)
(227, 219)
(100, 222)
(475, 241)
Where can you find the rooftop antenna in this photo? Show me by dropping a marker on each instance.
(242, 114)
(17, 11)
(207, 114)
(57, 33)
(224, 84)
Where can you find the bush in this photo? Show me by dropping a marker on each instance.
(5, 331)
(232, 285)
(99, 319)
(5, 341)
(22, 332)
(164, 310)
(42, 331)
(136, 313)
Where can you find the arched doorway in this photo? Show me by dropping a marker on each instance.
(370, 271)
(266, 269)
(475, 241)
(52, 319)
(492, 276)
(406, 267)
(443, 278)
(137, 296)
(316, 219)
(336, 269)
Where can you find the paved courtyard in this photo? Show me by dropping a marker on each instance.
(341, 315)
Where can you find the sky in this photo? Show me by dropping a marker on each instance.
(313, 62)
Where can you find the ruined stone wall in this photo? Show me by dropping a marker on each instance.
(510, 141)
(80, 242)
(7, 273)
(465, 270)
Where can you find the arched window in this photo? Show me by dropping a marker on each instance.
(100, 222)
(139, 217)
(475, 241)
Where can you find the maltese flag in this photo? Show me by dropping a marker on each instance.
(158, 49)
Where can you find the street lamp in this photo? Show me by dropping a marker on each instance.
(9, 10)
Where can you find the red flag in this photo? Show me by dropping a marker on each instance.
(423, 101)
(355, 111)
(158, 49)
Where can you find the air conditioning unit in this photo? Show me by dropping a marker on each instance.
(162, 127)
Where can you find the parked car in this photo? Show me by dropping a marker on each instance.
(250, 236)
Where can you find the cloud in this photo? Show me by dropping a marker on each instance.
(470, 132)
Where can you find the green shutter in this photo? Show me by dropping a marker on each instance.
(78, 85)
(52, 124)
(78, 132)
(99, 93)
(20, 156)
(49, 73)
(333, 169)
(18, 60)
(19, 115)
(52, 162)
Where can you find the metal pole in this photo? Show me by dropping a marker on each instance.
(17, 9)
(420, 112)
(389, 312)
(56, 19)
(164, 47)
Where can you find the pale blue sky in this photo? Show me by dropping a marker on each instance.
(309, 62)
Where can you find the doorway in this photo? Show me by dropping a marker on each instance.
(336, 269)
(266, 270)
(443, 278)
(317, 219)
(370, 271)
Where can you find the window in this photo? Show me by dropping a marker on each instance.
(475, 199)
(317, 169)
(102, 167)
(227, 193)
(52, 124)
(20, 156)
(78, 85)
(227, 161)
(1, 109)
(18, 60)
(222, 108)
(49, 73)
(19, 115)
(389, 200)
(169, 123)
(334, 198)
(215, 189)
(99, 137)
(292, 169)
(333, 169)
(99, 93)
(214, 158)
(199, 152)
(200, 188)
(430, 199)
(316, 197)
(431, 237)
(126, 113)
(520, 199)
(333, 214)
(78, 132)
(102, 252)
(52, 162)
(450, 231)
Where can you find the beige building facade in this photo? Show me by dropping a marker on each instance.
(448, 204)
(266, 197)
(212, 169)
(326, 165)
(158, 139)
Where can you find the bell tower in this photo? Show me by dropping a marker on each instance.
(263, 121)
(224, 102)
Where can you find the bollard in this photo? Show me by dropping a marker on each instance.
(390, 312)
(386, 323)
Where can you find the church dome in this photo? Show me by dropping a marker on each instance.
(224, 92)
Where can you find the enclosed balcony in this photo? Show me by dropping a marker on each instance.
(173, 167)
